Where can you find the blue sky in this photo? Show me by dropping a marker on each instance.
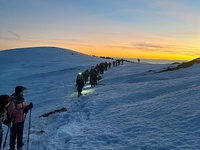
(102, 26)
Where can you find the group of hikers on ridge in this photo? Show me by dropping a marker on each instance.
(94, 74)
(13, 110)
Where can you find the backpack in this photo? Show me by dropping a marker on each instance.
(7, 118)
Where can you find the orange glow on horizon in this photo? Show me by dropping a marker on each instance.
(172, 52)
(120, 53)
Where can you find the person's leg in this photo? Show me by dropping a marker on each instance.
(91, 83)
(13, 132)
(79, 91)
(79, 94)
(20, 130)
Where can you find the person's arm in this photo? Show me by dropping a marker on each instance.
(28, 107)
(13, 111)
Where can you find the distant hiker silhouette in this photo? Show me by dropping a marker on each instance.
(109, 65)
(85, 75)
(97, 68)
(101, 68)
(93, 77)
(113, 63)
(106, 65)
(138, 61)
(79, 83)
(18, 109)
(122, 60)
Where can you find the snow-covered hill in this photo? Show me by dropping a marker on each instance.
(132, 108)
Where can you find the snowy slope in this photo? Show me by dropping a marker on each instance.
(132, 108)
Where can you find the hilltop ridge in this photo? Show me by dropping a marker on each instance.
(183, 65)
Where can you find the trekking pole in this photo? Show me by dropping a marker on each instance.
(1, 137)
(4, 144)
(29, 126)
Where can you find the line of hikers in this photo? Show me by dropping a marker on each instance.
(13, 110)
(93, 74)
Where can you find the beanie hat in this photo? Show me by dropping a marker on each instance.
(19, 89)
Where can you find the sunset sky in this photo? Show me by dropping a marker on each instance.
(153, 29)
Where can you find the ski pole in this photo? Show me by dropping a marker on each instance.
(4, 144)
(1, 136)
(29, 129)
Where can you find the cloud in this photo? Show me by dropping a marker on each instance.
(66, 40)
(141, 46)
(171, 49)
(109, 40)
(9, 39)
(145, 45)
(56, 40)
(191, 52)
(45, 41)
(15, 34)
(123, 47)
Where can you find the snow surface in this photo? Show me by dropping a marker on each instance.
(132, 108)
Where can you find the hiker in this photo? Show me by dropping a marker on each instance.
(138, 60)
(97, 68)
(109, 65)
(93, 77)
(18, 109)
(122, 60)
(79, 84)
(113, 63)
(106, 65)
(101, 68)
(86, 75)
(4, 102)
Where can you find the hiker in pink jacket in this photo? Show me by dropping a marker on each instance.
(18, 110)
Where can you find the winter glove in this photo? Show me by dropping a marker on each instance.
(25, 110)
(30, 106)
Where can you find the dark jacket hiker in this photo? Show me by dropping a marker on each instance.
(86, 75)
(93, 77)
(79, 84)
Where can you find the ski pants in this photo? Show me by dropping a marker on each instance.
(16, 132)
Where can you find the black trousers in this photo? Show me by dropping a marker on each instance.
(16, 132)
(79, 89)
